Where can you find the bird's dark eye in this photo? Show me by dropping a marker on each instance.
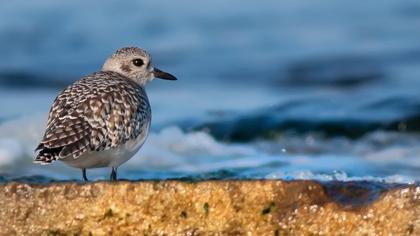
(138, 62)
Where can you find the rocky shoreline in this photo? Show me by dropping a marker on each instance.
(248, 207)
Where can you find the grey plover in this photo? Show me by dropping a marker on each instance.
(103, 119)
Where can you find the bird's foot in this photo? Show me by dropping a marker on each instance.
(113, 176)
(84, 175)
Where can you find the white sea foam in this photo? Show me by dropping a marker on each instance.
(169, 149)
(392, 160)
(340, 176)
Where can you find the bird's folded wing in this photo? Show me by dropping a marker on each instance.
(87, 117)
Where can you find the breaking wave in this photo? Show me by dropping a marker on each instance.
(174, 153)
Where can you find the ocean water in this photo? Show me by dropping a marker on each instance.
(323, 90)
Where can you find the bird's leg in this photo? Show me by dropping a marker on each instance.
(84, 175)
(113, 174)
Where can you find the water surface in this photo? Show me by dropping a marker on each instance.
(321, 90)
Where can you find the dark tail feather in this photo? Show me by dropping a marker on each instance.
(47, 155)
(40, 146)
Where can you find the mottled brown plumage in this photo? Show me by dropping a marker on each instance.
(98, 112)
(104, 118)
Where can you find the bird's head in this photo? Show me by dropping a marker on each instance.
(136, 64)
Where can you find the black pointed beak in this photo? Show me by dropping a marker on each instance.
(163, 75)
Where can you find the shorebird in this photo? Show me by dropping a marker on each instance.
(103, 119)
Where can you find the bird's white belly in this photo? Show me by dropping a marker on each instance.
(109, 158)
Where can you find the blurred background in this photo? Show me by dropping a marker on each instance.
(323, 89)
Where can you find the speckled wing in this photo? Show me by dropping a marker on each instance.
(98, 112)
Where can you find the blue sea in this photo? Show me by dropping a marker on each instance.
(323, 90)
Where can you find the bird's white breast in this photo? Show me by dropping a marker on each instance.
(113, 157)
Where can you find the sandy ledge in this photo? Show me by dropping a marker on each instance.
(207, 208)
